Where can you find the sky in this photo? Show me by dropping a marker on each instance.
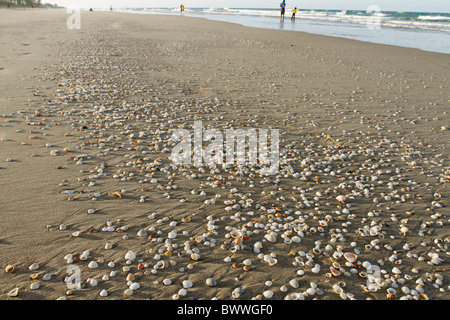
(385, 5)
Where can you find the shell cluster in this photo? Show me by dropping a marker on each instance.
(359, 213)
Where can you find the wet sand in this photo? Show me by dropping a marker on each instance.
(89, 112)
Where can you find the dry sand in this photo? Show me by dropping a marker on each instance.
(384, 108)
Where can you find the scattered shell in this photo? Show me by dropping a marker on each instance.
(130, 255)
(211, 282)
(34, 286)
(33, 267)
(187, 284)
(9, 268)
(14, 292)
(350, 257)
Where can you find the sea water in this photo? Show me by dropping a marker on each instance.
(422, 30)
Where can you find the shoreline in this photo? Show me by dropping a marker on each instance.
(106, 97)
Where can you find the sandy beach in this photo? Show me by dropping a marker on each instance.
(358, 208)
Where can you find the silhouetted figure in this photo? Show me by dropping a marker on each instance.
(283, 9)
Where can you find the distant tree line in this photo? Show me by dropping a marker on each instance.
(26, 3)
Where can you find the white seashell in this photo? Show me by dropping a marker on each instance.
(258, 245)
(270, 237)
(396, 270)
(268, 294)
(93, 282)
(172, 235)
(33, 267)
(103, 293)
(167, 282)
(108, 246)
(247, 262)
(187, 284)
(294, 283)
(142, 233)
(76, 234)
(62, 227)
(91, 211)
(14, 292)
(128, 292)
(34, 286)
(315, 269)
(211, 282)
(272, 261)
(130, 255)
(135, 286)
(311, 291)
(93, 265)
(47, 277)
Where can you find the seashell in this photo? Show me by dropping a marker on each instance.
(268, 294)
(270, 237)
(103, 293)
(34, 276)
(14, 292)
(272, 261)
(396, 270)
(187, 284)
(404, 231)
(142, 233)
(108, 246)
(211, 282)
(128, 292)
(195, 256)
(167, 282)
(9, 268)
(130, 255)
(93, 265)
(350, 257)
(47, 277)
(235, 234)
(341, 199)
(33, 267)
(117, 194)
(135, 286)
(91, 211)
(247, 262)
(335, 272)
(337, 289)
(294, 283)
(130, 277)
(172, 235)
(34, 286)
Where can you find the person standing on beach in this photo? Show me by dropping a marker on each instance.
(293, 14)
(182, 8)
(283, 9)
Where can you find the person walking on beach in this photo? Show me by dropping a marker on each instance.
(293, 14)
(182, 8)
(283, 9)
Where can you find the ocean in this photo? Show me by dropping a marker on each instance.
(422, 30)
